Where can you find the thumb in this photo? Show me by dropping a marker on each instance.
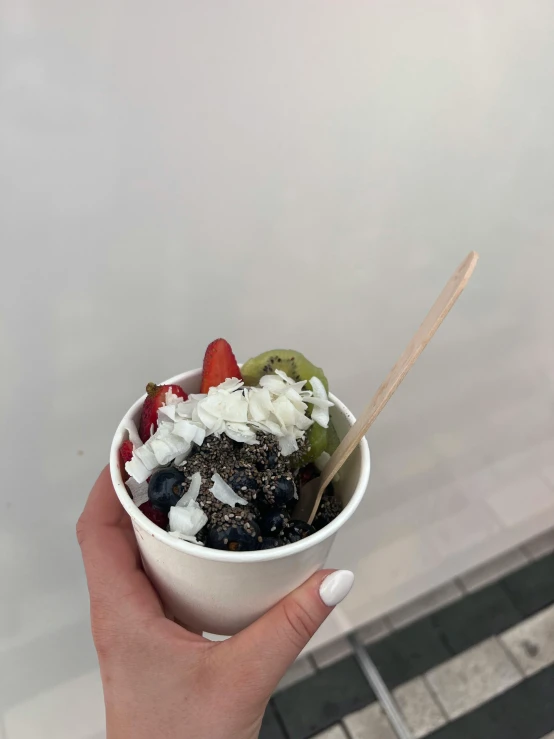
(271, 644)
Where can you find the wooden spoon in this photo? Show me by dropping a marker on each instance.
(312, 492)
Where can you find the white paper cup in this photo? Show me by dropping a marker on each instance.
(223, 592)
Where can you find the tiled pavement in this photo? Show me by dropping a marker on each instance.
(474, 660)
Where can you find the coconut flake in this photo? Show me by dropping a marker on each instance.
(287, 444)
(180, 458)
(166, 412)
(284, 411)
(168, 447)
(187, 519)
(193, 491)
(138, 490)
(225, 493)
(259, 404)
(321, 403)
(278, 407)
(134, 437)
(274, 384)
(229, 385)
(268, 427)
(171, 398)
(186, 429)
(241, 432)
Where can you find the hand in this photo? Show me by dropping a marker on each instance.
(163, 682)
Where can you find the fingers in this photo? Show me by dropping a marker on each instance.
(115, 579)
(270, 645)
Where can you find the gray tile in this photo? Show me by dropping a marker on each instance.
(531, 589)
(494, 570)
(541, 545)
(319, 702)
(299, 670)
(369, 723)
(531, 642)
(472, 678)
(332, 652)
(336, 732)
(421, 712)
(271, 725)
(426, 604)
(373, 631)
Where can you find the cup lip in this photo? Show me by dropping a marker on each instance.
(217, 555)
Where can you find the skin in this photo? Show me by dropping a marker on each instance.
(161, 680)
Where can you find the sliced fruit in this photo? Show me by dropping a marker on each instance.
(154, 400)
(219, 365)
(125, 455)
(317, 439)
(293, 363)
(332, 439)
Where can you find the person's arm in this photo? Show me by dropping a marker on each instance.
(163, 682)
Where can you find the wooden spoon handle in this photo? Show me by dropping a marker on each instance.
(421, 338)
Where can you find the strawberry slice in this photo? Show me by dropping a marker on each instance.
(219, 364)
(125, 455)
(155, 399)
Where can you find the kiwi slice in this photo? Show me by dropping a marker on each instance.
(316, 436)
(293, 363)
(332, 439)
(297, 367)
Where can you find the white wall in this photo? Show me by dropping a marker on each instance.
(303, 173)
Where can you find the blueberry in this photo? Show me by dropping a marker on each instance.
(268, 542)
(165, 488)
(295, 530)
(243, 484)
(235, 537)
(270, 462)
(273, 521)
(280, 492)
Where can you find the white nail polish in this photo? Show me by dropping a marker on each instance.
(336, 587)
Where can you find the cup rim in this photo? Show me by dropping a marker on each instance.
(144, 523)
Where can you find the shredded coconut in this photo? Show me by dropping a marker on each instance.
(225, 493)
(278, 407)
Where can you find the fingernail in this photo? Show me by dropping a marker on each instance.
(336, 587)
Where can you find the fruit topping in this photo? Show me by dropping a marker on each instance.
(317, 442)
(279, 492)
(222, 468)
(328, 510)
(219, 365)
(268, 542)
(292, 363)
(273, 522)
(296, 530)
(156, 397)
(125, 455)
(154, 514)
(238, 532)
(165, 488)
(308, 473)
(244, 483)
